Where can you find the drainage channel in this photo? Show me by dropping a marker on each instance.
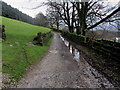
(100, 80)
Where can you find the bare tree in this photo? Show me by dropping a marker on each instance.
(66, 11)
(53, 17)
(84, 15)
(41, 20)
(91, 14)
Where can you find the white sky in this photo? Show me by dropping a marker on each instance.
(25, 5)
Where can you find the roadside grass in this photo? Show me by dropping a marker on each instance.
(17, 53)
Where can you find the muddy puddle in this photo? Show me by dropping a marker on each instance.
(91, 75)
(73, 50)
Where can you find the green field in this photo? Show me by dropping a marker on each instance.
(17, 51)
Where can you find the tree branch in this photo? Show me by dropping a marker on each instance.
(104, 19)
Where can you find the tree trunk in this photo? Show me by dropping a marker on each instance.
(78, 30)
(85, 36)
(57, 25)
(70, 29)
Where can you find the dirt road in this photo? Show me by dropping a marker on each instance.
(58, 69)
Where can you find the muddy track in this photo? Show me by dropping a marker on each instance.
(58, 69)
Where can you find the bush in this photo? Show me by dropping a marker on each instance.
(42, 38)
(2, 32)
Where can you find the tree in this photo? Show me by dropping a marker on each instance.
(53, 17)
(84, 15)
(41, 20)
(66, 12)
(89, 14)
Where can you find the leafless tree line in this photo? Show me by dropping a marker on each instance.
(82, 16)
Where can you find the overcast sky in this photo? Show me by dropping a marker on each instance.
(26, 5)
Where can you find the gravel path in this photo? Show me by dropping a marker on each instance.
(58, 69)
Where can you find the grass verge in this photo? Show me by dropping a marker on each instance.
(18, 52)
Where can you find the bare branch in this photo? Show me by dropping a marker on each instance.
(104, 19)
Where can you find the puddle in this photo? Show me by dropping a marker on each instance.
(88, 69)
(73, 51)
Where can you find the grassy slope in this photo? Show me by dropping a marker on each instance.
(15, 58)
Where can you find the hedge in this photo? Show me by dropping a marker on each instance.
(107, 48)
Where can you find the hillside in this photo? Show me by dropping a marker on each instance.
(20, 31)
(104, 34)
(18, 52)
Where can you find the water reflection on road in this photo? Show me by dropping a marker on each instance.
(73, 50)
(87, 69)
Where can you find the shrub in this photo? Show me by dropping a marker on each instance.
(42, 38)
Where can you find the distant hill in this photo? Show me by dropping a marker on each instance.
(13, 13)
(104, 34)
